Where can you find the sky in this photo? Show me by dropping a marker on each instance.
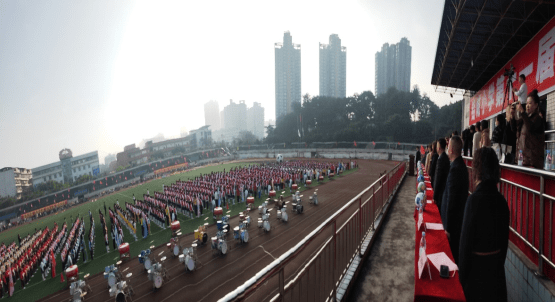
(100, 75)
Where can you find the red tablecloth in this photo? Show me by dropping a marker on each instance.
(437, 289)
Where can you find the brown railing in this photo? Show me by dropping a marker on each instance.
(530, 196)
(338, 240)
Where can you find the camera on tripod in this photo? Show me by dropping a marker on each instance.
(509, 72)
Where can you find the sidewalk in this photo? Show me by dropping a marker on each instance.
(388, 272)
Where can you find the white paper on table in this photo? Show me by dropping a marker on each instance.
(427, 181)
(429, 189)
(421, 263)
(420, 218)
(434, 226)
(428, 201)
(439, 259)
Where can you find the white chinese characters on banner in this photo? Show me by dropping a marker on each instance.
(473, 109)
(546, 52)
(499, 93)
(491, 96)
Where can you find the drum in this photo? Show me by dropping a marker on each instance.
(112, 280)
(181, 258)
(214, 242)
(223, 246)
(204, 238)
(120, 297)
(158, 281)
(123, 248)
(308, 181)
(244, 236)
(294, 186)
(264, 210)
(299, 209)
(150, 275)
(260, 210)
(175, 225)
(72, 271)
(284, 208)
(190, 262)
(266, 225)
(332, 175)
(148, 263)
(284, 216)
(278, 214)
(320, 177)
(176, 250)
(219, 224)
(248, 219)
(169, 245)
(259, 222)
(250, 200)
(241, 217)
(236, 232)
(218, 211)
(272, 193)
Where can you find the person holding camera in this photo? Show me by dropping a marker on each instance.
(522, 92)
(530, 131)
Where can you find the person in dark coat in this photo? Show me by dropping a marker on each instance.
(418, 155)
(442, 170)
(470, 139)
(485, 234)
(508, 143)
(454, 196)
(433, 163)
(530, 130)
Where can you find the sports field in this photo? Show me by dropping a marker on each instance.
(37, 288)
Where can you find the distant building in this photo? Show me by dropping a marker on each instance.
(109, 158)
(333, 68)
(14, 181)
(288, 75)
(255, 120)
(393, 67)
(201, 137)
(133, 155)
(212, 115)
(68, 169)
(235, 117)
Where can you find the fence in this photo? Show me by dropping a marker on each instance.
(338, 240)
(530, 196)
(408, 147)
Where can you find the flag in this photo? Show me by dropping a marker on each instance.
(373, 143)
(422, 150)
(355, 143)
(299, 132)
(398, 143)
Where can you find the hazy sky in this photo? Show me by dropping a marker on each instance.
(99, 75)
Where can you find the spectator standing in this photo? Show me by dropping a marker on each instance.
(485, 140)
(418, 155)
(477, 137)
(442, 170)
(508, 143)
(454, 196)
(470, 138)
(522, 92)
(485, 234)
(428, 157)
(432, 168)
(530, 131)
(497, 136)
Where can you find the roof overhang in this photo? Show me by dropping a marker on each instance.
(478, 37)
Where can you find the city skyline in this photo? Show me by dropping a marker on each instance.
(102, 75)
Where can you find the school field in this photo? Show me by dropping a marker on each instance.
(37, 288)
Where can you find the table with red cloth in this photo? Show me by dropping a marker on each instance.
(437, 289)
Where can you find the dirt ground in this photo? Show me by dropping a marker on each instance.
(217, 275)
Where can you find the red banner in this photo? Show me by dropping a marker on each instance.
(43, 209)
(535, 60)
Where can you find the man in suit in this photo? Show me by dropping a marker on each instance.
(454, 196)
(442, 170)
(418, 155)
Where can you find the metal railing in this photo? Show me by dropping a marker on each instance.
(337, 243)
(531, 208)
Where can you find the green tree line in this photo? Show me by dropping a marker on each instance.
(394, 116)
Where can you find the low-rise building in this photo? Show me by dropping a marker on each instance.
(13, 181)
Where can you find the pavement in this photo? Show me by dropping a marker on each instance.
(387, 274)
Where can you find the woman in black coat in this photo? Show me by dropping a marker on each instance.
(433, 163)
(485, 233)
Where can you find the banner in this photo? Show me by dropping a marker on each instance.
(126, 221)
(168, 169)
(44, 209)
(535, 60)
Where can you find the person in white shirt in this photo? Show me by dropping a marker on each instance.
(477, 137)
(522, 92)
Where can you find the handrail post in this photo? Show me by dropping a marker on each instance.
(281, 285)
(373, 207)
(334, 274)
(540, 250)
(359, 219)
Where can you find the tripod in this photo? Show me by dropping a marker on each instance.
(508, 92)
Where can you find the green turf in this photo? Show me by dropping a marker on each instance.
(37, 288)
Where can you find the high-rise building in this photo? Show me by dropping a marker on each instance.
(212, 115)
(235, 115)
(333, 68)
(255, 120)
(13, 181)
(393, 67)
(288, 75)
